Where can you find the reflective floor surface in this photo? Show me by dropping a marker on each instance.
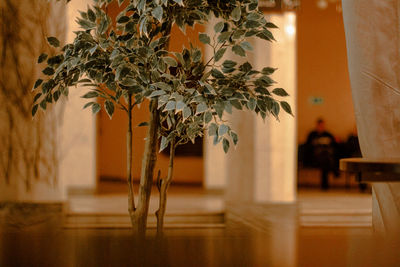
(198, 247)
(329, 229)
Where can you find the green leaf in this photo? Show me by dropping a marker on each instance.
(229, 64)
(219, 27)
(238, 34)
(179, 2)
(128, 82)
(219, 108)
(219, 54)
(236, 13)
(37, 83)
(286, 107)
(246, 46)
(123, 19)
(235, 103)
(217, 74)
(251, 104)
(164, 143)
(88, 104)
(92, 50)
(157, 13)
(252, 24)
(234, 137)
(34, 109)
(204, 38)
(254, 16)
(224, 37)
(238, 50)
(163, 86)
(210, 89)
(271, 25)
(56, 95)
(202, 107)
(225, 145)
(90, 94)
(91, 15)
(207, 117)
(196, 56)
(268, 70)
(222, 129)
(179, 106)
(43, 104)
(170, 61)
(48, 71)
(280, 92)
(275, 109)
(37, 96)
(109, 108)
(170, 106)
(53, 41)
(186, 113)
(212, 129)
(145, 123)
(157, 93)
(96, 108)
(42, 58)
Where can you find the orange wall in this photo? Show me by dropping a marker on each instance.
(322, 71)
(111, 144)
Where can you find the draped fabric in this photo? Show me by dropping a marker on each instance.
(373, 46)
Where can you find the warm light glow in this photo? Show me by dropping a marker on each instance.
(290, 22)
(322, 4)
(290, 30)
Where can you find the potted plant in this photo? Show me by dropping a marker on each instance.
(126, 62)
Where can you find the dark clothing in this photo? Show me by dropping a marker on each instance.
(353, 147)
(321, 153)
(320, 150)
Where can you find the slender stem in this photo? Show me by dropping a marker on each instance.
(131, 196)
(139, 219)
(163, 188)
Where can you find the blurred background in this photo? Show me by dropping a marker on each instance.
(79, 160)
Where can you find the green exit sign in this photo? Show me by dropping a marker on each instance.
(316, 100)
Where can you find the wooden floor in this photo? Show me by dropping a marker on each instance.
(334, 208)
(245, 235)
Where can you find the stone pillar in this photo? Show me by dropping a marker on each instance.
(373, 46)
(262, 169)
(260, 174)
(29, 157)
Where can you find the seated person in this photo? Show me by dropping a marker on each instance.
(321, 152)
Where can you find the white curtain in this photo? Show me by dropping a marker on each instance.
(373, 46)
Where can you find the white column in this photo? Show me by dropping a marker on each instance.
(78, 156)
(275, 141)
(373, 46)
(263, 167)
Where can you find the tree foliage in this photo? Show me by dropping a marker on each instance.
(127, 61)
(131, 57)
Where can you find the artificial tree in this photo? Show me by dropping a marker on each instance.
(126, 62)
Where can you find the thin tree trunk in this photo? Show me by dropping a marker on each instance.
(163, 188)
(131, 196)
(139, 217)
